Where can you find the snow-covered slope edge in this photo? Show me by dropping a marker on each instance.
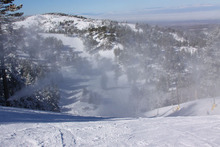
(17, 115)
(202, 107)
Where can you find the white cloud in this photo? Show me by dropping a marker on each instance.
(201, 15)
(184, 13)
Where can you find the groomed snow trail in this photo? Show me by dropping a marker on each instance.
(21, 127)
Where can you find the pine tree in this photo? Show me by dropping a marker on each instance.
(7, 8)
(7, 12)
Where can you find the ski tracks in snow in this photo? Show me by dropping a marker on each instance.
(153, 132)
(44, 135)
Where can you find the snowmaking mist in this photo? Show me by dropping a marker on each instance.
(29, 90)
(88, 83)
(95, 90)
(90, 78)
(116, 69)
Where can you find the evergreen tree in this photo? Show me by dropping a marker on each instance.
(7, 12)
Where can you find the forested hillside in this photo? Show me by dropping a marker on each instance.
(121, 65)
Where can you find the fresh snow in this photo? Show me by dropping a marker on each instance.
(189, 49)
(73, 42)
(20, 127)
(49, 22)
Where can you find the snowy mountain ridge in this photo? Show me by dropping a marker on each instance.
(102, 33)
(48, 22)
(59, 21)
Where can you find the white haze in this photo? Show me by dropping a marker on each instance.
(95, 74)
(29, 90)
(88, 85)
(110, 98)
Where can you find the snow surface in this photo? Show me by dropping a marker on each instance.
(202, 107)
(73, 42)
(133, 27)
(20, 127)
(49, 22)
(178, 38)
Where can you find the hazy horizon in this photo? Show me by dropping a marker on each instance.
(132, 11)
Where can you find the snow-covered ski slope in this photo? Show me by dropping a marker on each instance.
(20, 127)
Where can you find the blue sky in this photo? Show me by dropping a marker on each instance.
(135, 10)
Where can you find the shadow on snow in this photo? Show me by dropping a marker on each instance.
(15, 115)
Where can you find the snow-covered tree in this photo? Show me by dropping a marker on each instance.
(8, 80)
